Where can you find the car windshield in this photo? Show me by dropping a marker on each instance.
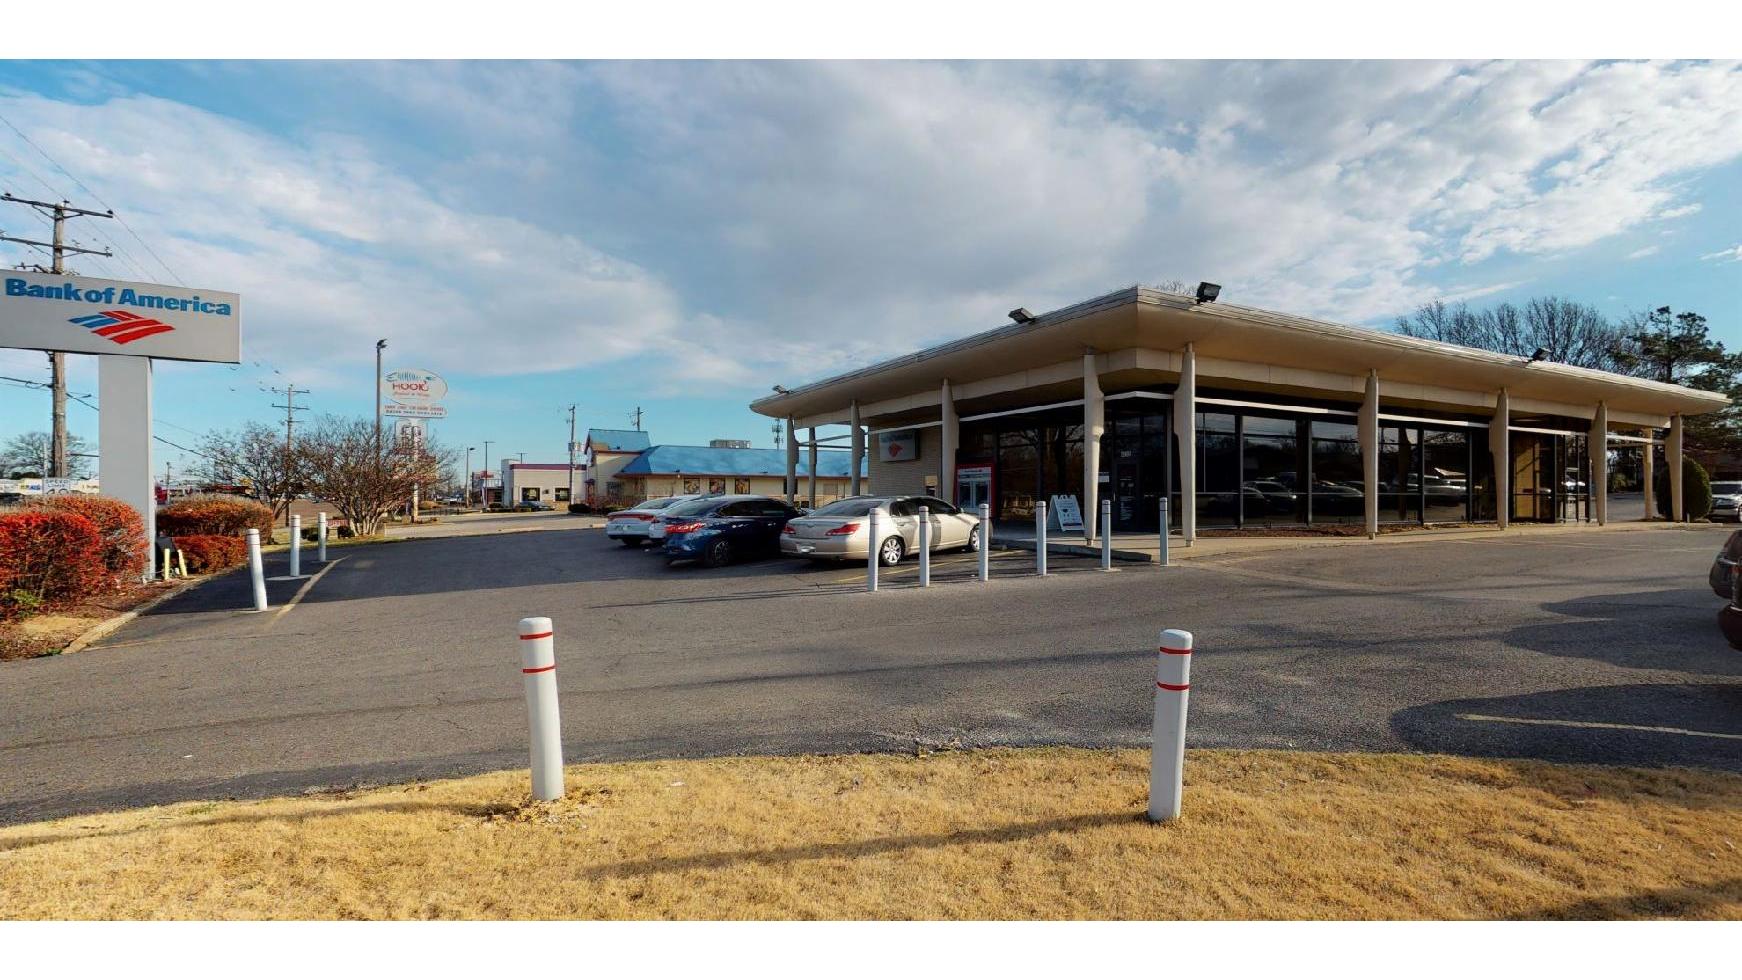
(690, 508)
(853, 507)
(1727, 486)
(657, 503)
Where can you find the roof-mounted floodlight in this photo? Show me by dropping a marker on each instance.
(1208, 291)
(1540, 355)
(1021, 315)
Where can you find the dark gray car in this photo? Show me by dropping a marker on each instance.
(1724, 566)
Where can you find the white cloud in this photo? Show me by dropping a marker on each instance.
(1731, 254)
(1640, 253)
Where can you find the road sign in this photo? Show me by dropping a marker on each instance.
(408, 434)
(414, 386)
(80, 315)
(415, 411)
(1067, 514)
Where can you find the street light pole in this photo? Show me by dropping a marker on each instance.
(571, 455)
(380, 345)
(486, 472)
(468, 484)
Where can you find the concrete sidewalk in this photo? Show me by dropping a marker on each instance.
(1147, 547)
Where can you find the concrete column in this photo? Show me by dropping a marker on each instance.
(1368, 429)
(791, 461)
(812, 488)
(1094, 424)
(1647, 456)
(1185, 427)
(858, 453)
(950, 434)
(1672, 454)
(1500, 445)
(124, 465)
(1598, 446)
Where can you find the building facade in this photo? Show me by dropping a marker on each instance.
(543, 482)
(664, 470)
(1240, 417)
(605, 452)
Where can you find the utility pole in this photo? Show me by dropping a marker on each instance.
(637, 418)
(776, 427)
(571, 455)
(57, 360)
(290, 409)
(380, 345)
(486, 486)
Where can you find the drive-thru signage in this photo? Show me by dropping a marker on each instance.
(898, 446)
(78, 315)
(1065, 514)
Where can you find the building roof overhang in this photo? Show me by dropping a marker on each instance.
(1143, 318)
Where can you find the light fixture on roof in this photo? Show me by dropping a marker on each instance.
(1021, 315)
(1540, 355)
(781, 390)
(1208, 291)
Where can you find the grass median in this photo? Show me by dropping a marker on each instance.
(998, 834)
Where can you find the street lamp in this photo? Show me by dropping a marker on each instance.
(486, 487)
(469, 475)
(380, 345)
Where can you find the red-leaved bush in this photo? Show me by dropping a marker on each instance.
(212, 552)
(46, 558)
(121, 528)
(214, 514)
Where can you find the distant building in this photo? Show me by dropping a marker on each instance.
(604, 453)
(546, 482)
(661, 471)
(728, 444)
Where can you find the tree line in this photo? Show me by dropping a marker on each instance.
(1660, 344)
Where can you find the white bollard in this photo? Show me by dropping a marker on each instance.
(256, 570)
(871, 560)
(296, 546)
(1164, 531)
(538, 670)
(1040, 537)
(1106, 535)
(985, 542)
(924, 547)
(321, 537)
(1167, 747)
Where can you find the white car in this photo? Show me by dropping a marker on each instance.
(842, 530)
(640, 523)
(1726, 500)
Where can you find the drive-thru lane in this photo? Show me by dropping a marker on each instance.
(401, 662)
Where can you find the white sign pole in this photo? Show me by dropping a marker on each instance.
(124, 465)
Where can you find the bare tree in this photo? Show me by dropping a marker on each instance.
(340, 464)
(1571, 332)
(254, 454)
(29, 453)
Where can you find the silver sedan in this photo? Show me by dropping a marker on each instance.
(842, 530)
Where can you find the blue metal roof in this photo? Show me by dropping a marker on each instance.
(709, 461)
(618, 440)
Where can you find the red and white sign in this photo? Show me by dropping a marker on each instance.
(898, 446)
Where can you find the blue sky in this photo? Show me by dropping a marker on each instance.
(680, 236)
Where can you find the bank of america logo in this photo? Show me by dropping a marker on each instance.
(122, 328)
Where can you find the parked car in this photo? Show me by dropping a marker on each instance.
(1726, 500)
(719, 530)
(1725, 564)
(841, 531)
(634, 526)
(533, 505)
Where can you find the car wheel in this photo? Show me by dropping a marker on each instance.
(974, 538)
(718, 553)
(891, 552)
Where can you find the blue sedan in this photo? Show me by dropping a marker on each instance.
(719, 530)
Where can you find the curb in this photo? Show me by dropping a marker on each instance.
(114, 623)
(1020, 544)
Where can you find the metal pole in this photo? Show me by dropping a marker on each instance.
(1106, 535)
(296, 546)
(1167, 753)
(380, 345)
(256, 570)
(571, 456)
(1164, 531)
(1040, 537)
(871, 559)
(321, 537)
(538, 670)
(985, 542)
(924, 546)
(468, 487)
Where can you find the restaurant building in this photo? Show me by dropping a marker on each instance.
(1242, 417)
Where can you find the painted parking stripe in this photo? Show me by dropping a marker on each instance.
(1656, 729)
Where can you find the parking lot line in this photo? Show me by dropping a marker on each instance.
(1655, 729)
(316, 577)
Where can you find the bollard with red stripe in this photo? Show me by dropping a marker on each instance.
(1167, 754)
(538, 669)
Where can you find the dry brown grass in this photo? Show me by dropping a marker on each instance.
(1052, 833)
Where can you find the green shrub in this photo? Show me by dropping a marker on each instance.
(1696, 490)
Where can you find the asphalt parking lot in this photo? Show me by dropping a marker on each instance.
(400, 662)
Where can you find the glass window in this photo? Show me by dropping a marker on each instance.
(1218, 467)
(903, 507)
(528, 493)
(740, 485)
(1400, 489)
(562, 494)
(1268, 467)
(936, 506)
(692, 508)
(850, 507)
(1445, 477)
(1338, 488)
